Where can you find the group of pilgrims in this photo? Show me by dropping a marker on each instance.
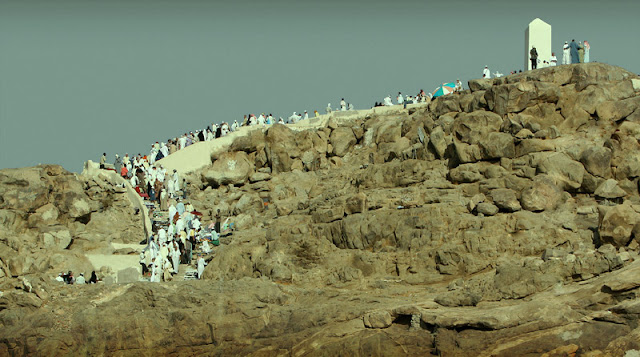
(174, 243)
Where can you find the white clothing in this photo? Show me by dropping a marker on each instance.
(400, 99)
(306, 115)
(343, 105)
(201, 265)
(486, 73)
(387, 101)
(205, 247)
(80, 280)
(553, 61)
(566, 56)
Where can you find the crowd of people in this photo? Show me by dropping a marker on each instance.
(574, 52)
(68, 278)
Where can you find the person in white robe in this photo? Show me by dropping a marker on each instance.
(252, 120)
(234, 126)
(210, 135)
(201, 265)
(293, 118)
(164, 149)
(175, 257)
(328, 109)
(387, 101)
(81, 280)
(350, 106)
(172, 211)
(566, 53)
(306, 115)
(162, 236)
(343, 105)
(587, 49)
(486, 73)
(269, 119)
(400, 98)
(155, 270)
(553, 61)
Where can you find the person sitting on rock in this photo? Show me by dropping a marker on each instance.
(80, 279)
(94, 278)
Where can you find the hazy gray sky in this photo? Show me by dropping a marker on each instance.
(78, 78)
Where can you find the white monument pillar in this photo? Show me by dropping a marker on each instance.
(537, 34)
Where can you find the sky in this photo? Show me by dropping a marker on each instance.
(79, 78)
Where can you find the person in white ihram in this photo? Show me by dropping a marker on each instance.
(486, 73)
(553, 61)
(566, 59)
(343, 105)
(201, 264)
(400, 98)
(387, 101)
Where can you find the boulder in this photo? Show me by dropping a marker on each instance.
(79, 208)
(342, 139)
(356, 204)
(480, 84)
(470, 128)
(377, 319)
(618, 224)
(46, 215)
(610, 189)
(59, 238)
(597, 160)
(259, 176)
(230, 168)
(566, 173)
(497, 145)
(280, 148)
(128, 275)
(515, 97)
(438, 142)
(487, 209)
(505, 199)
(543, 194)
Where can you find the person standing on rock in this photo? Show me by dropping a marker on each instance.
(575, 56)
(553, 61)
(486, 73)
(343, 105)
(328, 109)
(566, 59)
(587, 48)
(201, 265)
(103, 160)
(581, 52)
(534, 57)
(400, 98)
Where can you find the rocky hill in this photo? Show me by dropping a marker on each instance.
(503, 221)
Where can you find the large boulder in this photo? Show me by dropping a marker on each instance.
(280, 148)
(470, 128)
(543, 194)
(342, 140)
(618, 224)
(609, 189)
(566, 173)
(597, 160)
(514, 98)
(505, 199)
(230, 168)
(497, 145)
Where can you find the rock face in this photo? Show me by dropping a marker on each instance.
(502, 221)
